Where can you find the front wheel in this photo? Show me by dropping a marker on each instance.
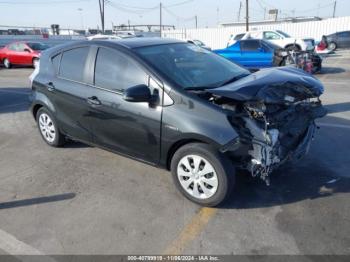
(202, 174)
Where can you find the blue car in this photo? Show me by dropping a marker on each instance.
(254, 54)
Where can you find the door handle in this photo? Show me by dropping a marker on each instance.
(93, 101)
(50, 86)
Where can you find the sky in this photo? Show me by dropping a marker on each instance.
(79, 14)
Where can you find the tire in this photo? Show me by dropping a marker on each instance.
(332, 46)
(48, 128)
(213, 186)
(293, 48)
(6, 63)
(35, 62)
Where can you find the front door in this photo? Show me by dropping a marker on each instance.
(129, 128)
(254, 56)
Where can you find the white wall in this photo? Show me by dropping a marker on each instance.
(218, 37)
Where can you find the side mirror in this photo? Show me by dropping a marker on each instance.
(260, 49)
(136, 94)
(27, 50)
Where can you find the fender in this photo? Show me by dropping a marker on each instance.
(39, 98)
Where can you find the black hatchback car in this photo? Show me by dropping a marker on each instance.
(176, 106)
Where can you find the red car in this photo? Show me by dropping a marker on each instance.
(22, 53)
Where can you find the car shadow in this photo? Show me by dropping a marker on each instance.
(332, 70)
(322, 173)
(36, 201)
(14, 99)
(337, 108)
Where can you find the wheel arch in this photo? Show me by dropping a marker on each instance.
(180, 143)
(39, 101)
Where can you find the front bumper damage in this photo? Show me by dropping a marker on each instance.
(274, 113)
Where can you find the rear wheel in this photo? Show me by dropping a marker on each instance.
(202, 174)
(332, 46)
(6, 63)
(48, 128)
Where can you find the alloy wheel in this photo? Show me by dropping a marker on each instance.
(197, 176)
(47, 128)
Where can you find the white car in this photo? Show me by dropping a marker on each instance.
(279, 38)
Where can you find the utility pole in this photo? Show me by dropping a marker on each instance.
(102, 14)
(239, 11)
(160, 19)
(196, 19)
(247, 15)
(334, 8)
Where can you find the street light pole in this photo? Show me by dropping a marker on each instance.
(334, 8)
(80, 10)
(102, 14)
(160, 19)
(247, 15)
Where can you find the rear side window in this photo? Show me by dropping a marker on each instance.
(12, 47)
(56, 62)
(73, 64)
(250, 45)
(116, 72)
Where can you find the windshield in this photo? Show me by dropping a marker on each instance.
(190, 66)
(37, 46)
(283, 33)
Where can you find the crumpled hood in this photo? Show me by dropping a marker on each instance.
(274, 85)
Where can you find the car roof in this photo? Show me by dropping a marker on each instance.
(140, 41)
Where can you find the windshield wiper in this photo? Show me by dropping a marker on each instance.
(197, 88)
(233, 79)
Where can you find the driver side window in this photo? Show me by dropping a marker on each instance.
(116, 72)
(271, 36)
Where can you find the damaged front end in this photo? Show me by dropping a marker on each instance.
(274, 113)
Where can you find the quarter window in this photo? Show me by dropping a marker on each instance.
(73, 64)
(116, 72)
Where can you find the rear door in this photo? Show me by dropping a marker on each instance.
(11, 53)
(69, 92)
(130, 128)
(22, 56)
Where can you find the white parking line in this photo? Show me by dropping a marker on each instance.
(13, 246)
(334, 125)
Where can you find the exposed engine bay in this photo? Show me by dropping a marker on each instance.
(275, 122)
